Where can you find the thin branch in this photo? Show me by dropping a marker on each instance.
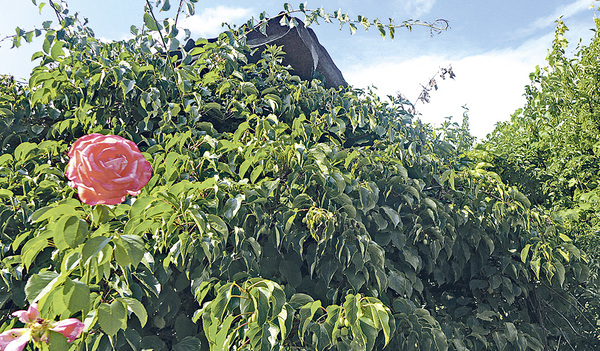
(435, 27)
(162, 38)
(181, 2)
(7, 37)
(55, 8)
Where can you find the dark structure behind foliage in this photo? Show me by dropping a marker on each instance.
(307, 57)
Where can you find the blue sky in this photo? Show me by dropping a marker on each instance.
(491, 45)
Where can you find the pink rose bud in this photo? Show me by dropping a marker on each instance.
(14, 339)
(105, 168)
(29, 316)
(71, 328)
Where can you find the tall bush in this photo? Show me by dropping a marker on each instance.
(550, 151)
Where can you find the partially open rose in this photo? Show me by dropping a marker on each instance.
(105, 168)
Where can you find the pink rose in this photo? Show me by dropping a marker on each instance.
(14, 339)
(71, 328)
(28, 316)
(105, 168)
(37, 330)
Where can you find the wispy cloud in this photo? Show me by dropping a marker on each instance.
(565, 11)
(209, 21)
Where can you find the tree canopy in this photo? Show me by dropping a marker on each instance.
(550, 151)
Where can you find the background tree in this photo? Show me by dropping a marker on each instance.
(550, 151)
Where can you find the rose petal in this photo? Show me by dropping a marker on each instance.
(106, 168)
(71, 328)
(15, 339)
(92, 197)
(29, 315)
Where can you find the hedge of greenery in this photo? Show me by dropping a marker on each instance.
(550, 150)
(279, 215)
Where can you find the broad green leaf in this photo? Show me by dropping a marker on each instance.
(112, 317)
(511, 332)
(307, 313)
(92, 247)
(137, 308)
(41, 284)
(256, 172)
(76, 295)
(33, 247)
(52, 212)
(263, 337)
(244, 167)
(71, 230)
(393, 215)
(57, 50)
(352, 308)
(149, 22)
(232, 206)
(149, 282)
(189, 343)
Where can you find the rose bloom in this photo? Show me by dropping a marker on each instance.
(37, 330)
(106, 168)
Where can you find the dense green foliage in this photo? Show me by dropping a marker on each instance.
(550, 150)
(281, 215)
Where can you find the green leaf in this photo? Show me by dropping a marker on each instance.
(560, 272)
(137, 308)
(244, 167)
(57, 342)
(263, 337)
(393, 215)
(217, 224)
(76, 295)
(511, 332)
(223, 337)
(71, 231)
(7, 194)
(256, 172)
(411, 258)
(302, 201)
(52, 212)
(129, 249)
(232, 206)
(525, 253)
(112, 317)
(32, 248)
(41, 284)
(189, 343)
(149, 281)
(149, 22)
(92, 247)
(291, 271)
(299, 299)
(57, 50)
(353, 309)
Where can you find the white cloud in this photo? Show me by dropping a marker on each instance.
(209, 22)
(491, 84)
(565, 11)
(416, 8)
